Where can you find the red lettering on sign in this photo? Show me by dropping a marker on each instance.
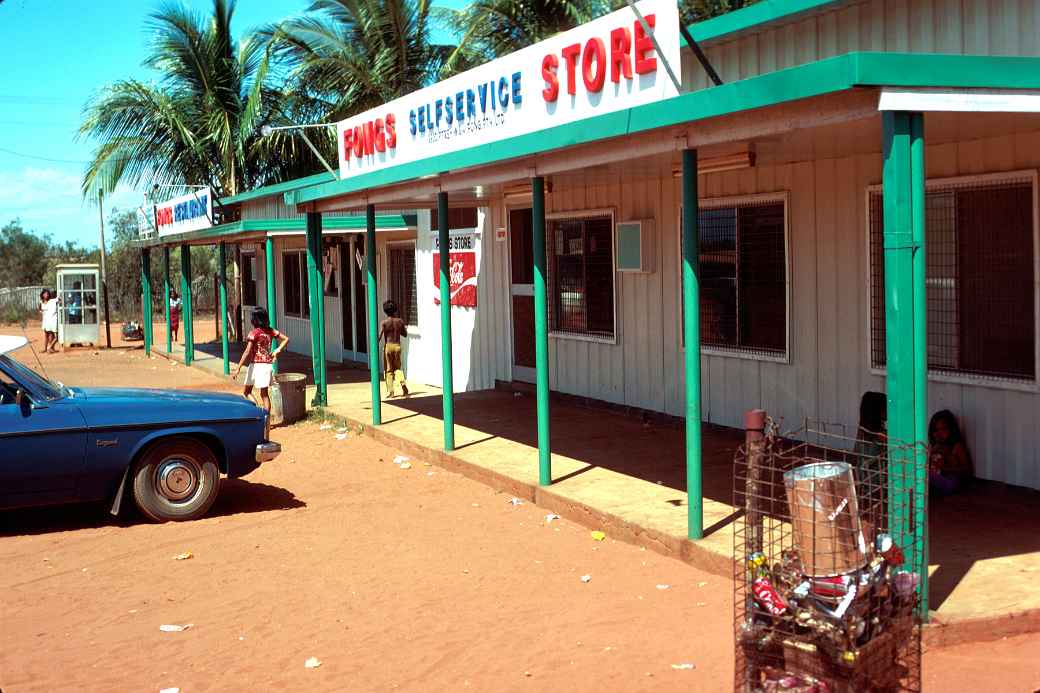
(366, 139)
(570, 56)
(620, 58)
(594, 53)
(552, 83)
(380, 136)
(643, 45)
(370, 138)
(359, 142)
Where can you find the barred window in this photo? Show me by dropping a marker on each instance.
(979, 278)
(294, 282)
(743, 276)
(401, 261)
(581, 276)
(249, 279)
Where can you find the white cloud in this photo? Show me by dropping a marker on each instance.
(48, 200)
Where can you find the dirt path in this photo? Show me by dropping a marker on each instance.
(412, 579)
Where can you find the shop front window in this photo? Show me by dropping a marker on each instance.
(581, 276)
(294, 281)
(979, 277)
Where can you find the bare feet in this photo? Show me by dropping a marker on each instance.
(404, 389)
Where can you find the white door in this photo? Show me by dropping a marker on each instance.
(521, 260)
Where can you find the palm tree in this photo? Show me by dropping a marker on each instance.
(493, 28)
(199, 124)
(347, 56)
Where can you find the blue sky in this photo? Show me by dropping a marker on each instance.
(56, 54)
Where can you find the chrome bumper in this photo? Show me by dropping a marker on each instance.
(265, 452)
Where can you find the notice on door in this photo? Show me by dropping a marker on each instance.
(462, 270)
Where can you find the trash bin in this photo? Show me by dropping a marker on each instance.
(288, 398)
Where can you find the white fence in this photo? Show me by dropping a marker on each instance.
(26, 297)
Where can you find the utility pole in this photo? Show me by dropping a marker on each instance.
(104, 277)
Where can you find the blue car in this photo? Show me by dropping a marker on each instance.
(164, 449)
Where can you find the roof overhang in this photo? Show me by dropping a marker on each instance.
(825, 77)
(758, 17)
(259, 229)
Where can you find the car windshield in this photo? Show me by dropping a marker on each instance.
(35, 381)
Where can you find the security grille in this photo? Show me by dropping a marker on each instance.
(581, 276)
(979, 278)
(743, 277)
(402, 282)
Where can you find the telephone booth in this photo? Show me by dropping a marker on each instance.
(78, 292)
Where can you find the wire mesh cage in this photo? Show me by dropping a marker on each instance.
(827, 559)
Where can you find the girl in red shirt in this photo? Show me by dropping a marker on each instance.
(261, 358)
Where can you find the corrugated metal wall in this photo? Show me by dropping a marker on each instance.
(969, 27)
(299, 330)
(482, 351)
(829, 365)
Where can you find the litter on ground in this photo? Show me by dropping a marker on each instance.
(184, 556)
(341, 436)
(663, 587)
(598, 535)
(515, 501)
(174, 628)
(550, 517)
(406, 465)
(400, 459)
(586, 578)
(684, 665)
(312, 663)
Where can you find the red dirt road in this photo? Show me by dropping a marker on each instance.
(412, 579)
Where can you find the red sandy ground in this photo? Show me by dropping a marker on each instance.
(412, 579)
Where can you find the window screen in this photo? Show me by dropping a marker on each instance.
(294, 281)
(402, 282)
(979, 278)
(581, 276)
(743, 277)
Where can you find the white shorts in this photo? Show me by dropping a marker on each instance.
(259, 374)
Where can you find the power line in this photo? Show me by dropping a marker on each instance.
(42, 158)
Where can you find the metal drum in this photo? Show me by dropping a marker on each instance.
(825, 518)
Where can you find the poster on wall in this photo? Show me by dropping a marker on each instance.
(329, 266)
(462, 269)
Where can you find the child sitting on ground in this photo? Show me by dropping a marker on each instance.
(949, 462)
(392, 329)
(261, 361)
(871, 446)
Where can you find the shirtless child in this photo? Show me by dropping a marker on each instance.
(391, 330)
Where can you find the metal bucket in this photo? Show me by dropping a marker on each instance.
(825, 518)
(288, 398)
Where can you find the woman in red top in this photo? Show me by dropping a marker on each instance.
(261, 360)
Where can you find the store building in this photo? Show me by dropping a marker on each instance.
(866, 192)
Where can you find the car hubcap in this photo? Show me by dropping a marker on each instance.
(178, 479)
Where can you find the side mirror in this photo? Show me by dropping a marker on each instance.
(19, 396)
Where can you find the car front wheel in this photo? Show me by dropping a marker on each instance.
(177, 479)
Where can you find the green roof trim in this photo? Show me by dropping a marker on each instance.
(274, 227)
(756, 16)
(277, 188)
(819, 78)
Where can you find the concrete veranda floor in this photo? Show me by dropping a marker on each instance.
(615, 472)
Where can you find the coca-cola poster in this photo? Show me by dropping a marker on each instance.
(462, 270)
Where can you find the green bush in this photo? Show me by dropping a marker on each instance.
(13, 314)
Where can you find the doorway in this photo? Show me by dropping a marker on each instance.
(521, 289)
(354, 303)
